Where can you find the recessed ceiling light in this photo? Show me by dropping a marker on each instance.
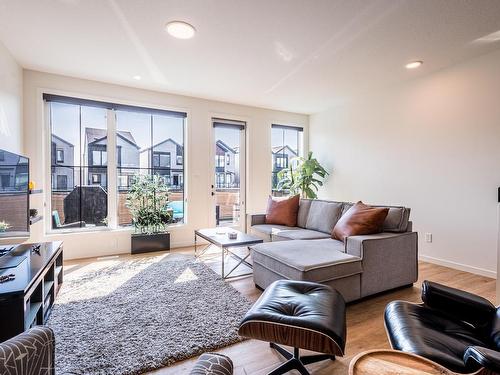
(137, 78)
(414, 64)
(180, 29)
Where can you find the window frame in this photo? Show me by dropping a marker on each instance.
(275, 166)
(59, 160)
(101, 151)
(57, 182)
(220, 160)
(111, 172)
(160, 154)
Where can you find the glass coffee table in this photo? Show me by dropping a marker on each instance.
(219, 237)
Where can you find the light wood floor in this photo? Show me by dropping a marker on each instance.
(365, 327)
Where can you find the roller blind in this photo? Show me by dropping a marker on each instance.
(108, 105)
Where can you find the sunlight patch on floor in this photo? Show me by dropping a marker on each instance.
(107, 275)
(186, 276)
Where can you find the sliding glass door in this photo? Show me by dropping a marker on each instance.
(228, 186)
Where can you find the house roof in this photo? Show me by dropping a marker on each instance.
(225, 146)
(279, 149)
(94, 135)
(162, 142)
(62, 140)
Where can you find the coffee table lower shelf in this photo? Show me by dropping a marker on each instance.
(218, 237)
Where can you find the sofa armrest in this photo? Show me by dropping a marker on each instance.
(487, 358)
(256, 219)
(389, 260)
(409, 227)
(355, 245)
(29, 352)
(465, 306)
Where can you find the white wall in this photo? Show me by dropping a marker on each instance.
(11, 98)
(198, 150)
(432, 144)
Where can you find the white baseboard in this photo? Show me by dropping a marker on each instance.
(458, 266)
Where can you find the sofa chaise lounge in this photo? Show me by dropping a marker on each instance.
(359, 267)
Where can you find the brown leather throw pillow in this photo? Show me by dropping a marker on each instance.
(283, 211)
(358, 220)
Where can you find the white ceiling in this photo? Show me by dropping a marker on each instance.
(295, 55)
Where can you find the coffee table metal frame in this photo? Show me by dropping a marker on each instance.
(225, 244)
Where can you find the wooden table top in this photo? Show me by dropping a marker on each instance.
(393, 362)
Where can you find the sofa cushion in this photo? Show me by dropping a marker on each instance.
(272, 228)
(397, 219)
(304, 206)
(346, 206)
(323, 215)
(282, 211)
(300, 234)
(308, 260)
(360, 219)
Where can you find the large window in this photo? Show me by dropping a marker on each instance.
(286, 142)
(146, 141)
(77, 199)
(149, 143)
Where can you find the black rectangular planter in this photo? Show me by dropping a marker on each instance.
(145, 243)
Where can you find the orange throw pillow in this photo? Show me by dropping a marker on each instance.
(358, 220)
(283, 211)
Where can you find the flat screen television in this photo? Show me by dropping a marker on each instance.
(14, 195)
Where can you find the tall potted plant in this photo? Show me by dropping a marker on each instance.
(303, 176)
(147, 201)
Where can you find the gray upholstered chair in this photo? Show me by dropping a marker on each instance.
(29, 353)
(213, 364)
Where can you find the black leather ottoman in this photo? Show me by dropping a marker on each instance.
(302, 315)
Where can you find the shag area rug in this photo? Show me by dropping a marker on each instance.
(131, 316)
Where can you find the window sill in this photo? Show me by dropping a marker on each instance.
(170, 228)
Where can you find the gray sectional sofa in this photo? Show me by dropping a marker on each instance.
(362, 266)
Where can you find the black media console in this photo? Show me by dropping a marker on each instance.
(26, 300)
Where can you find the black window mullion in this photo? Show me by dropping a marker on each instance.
(82, 162)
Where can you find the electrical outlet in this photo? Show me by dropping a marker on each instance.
(428, 237)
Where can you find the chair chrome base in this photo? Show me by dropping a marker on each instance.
(295, 361)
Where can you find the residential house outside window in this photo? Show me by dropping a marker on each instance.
(96, 179)
(151, 141)
(99, 157)
(76, 201)
(286, 142)
(60, 156)
(161, 159)
(219, 160)
(62, 182)
(282, 161)
(145, 139)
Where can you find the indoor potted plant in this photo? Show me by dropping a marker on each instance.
(303, 176)
(147, 201)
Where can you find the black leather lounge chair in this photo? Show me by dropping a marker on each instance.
(456, 329)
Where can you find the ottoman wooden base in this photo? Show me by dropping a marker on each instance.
(302, 315)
